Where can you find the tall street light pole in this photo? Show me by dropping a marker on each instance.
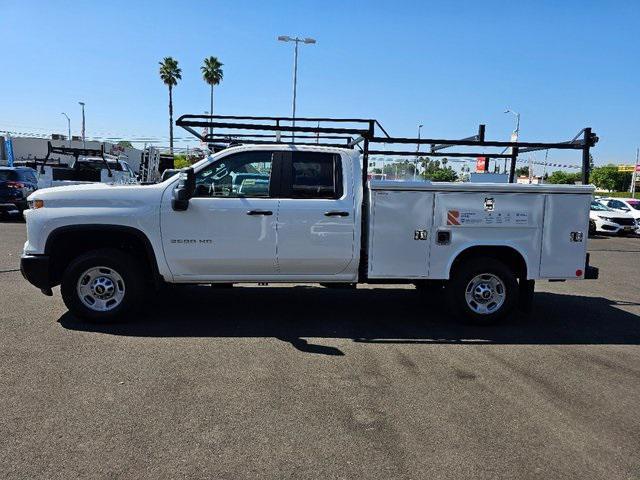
(83, 126)
(296, 40)
(68, 127)
(415, 170)
(516, 132)
(636, 170)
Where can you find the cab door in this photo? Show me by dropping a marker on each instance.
(228, 229)
(316, 218)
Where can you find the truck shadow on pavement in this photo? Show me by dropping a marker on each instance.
(365, 315)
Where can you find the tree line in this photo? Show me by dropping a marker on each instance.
(606, 177)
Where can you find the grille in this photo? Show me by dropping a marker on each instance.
(623, 221)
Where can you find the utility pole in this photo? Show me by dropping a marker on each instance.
(296, 40)
(68, 128)
(415, 170)
(83, 126)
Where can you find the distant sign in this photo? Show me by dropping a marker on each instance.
(481, 164)
(8, 148)
(628, 168)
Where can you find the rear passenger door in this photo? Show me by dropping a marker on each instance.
(316, 216)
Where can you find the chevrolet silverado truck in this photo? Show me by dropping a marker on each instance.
(302, 210)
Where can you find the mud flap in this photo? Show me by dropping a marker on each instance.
(525, 295)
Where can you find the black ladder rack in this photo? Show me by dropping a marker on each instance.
(364, 134)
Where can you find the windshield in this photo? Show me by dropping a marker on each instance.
(635, 204)
(599, 207)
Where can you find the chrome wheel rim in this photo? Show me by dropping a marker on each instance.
(100, 289)
(485, 294)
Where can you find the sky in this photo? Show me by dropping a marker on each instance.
(563, 65)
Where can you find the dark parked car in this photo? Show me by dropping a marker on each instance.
(16, 184)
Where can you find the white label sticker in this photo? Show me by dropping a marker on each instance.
(483, 219)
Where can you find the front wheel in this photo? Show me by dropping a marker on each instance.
(102, 285)
(483, 291)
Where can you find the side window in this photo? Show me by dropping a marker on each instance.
(244, 174)
(316, 175)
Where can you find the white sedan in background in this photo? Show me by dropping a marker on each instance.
(625, 205)
(607, 220)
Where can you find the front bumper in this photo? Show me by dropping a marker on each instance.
(35, 269)
(614, 228)
(12, 208)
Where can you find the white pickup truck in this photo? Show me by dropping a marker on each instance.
(295, 214)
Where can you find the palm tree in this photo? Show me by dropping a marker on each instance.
(170, 73)
(212, 74)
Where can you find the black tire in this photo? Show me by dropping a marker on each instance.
(483, 269)
(592, 228)
(130, 286)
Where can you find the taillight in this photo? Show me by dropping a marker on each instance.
(16, 185)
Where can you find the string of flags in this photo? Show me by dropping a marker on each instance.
(549, 164)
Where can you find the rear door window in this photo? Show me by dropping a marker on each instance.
(315, 175)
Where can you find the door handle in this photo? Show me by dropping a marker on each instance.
(336, 214)
(259, 212)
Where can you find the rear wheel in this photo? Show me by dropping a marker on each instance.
(483, 291)
(102, 285)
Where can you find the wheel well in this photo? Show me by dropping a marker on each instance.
(66, 243)
(507, 255)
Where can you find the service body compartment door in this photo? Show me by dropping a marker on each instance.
(469, 219)
(401, 223)
(564, 243)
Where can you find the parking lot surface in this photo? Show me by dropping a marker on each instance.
(306, 382)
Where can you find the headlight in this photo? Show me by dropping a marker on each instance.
(35, 204)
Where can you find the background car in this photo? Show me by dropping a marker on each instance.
(626, 205)
(16, 184)
(611, 221)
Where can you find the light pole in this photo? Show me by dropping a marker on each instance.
(286, 38)
(83, 126)
(636, 169)
(68, 127)
(516, 132)
(415, 170)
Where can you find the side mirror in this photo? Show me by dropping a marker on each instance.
(184, 190)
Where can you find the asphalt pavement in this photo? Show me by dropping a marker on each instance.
(306, 382)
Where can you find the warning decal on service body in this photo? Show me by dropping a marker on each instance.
(483, 218)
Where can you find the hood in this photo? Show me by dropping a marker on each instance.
(607, 214)
(97, 194)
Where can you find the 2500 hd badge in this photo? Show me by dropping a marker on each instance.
(192, 241)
